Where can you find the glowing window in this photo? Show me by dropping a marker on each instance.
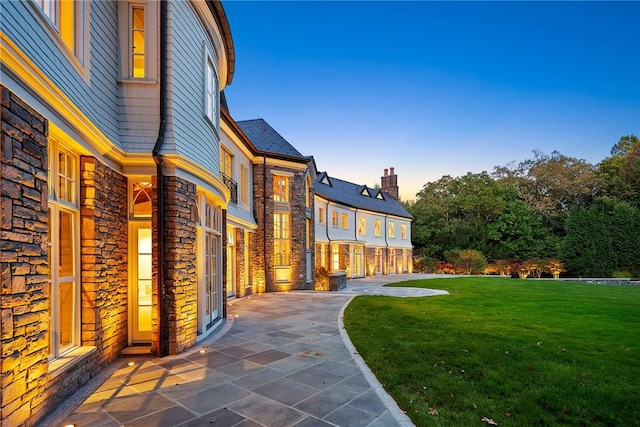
(320, 215)
(281, 239)
(334, 219)
(377, 228)
(403, 231)
(141, 199)
(137, 42)
(362, 226)
(281, 188)
(392, 230)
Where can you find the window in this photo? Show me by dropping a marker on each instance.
(226, 160)
(281, 240)
(63, 243)
(280, 188)
(211, 91)
(334, 219)
(308, 196)
(345, 220)
(403, 231)
(335, 257)
(392, 230)
(244, 184)
(376, 228)
(322, 255)
(141, 199)
(137, 42)
(65, 17)
(210, 247)
(362, 226)
(321, 215)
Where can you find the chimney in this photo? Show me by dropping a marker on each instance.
(389, 184)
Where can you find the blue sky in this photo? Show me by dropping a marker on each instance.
(437, 88)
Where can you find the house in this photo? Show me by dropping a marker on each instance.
(361, 230)
(134, 206)
(283, 198)
(110, 116)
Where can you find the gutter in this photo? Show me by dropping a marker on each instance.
(157, 158)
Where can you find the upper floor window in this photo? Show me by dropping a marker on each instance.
(65, 16)
(334, 219)
(280, 188)
(403, 231)
(345, 220)
(211, 90)
(137, 42)
(362, 226)
(392, 230)
(244, 184)
(308, 196)
(226, 161)
(376, 228)
(320, 215)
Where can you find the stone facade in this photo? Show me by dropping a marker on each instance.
(180, 306)
(24, 293)
(104, 262)
(265, 207)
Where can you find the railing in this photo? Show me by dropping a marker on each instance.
(232, 186)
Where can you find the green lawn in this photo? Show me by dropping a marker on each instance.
(518, 352)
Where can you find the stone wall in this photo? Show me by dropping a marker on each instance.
(180, 307)
(24, 294)
(104, 248)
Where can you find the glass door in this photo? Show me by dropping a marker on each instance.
(140, 283)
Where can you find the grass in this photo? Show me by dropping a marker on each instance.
(521, 353)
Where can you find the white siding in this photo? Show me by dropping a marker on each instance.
(239, 211)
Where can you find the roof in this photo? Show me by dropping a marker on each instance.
(358, 196)
(223, 23)
(266, 139)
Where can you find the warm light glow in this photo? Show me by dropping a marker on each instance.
(202, 351)
(131, 363)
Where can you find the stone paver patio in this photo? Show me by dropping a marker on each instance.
(281, 359)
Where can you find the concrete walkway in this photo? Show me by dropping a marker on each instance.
(281, 359)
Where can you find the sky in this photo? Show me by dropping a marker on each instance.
(437, 88)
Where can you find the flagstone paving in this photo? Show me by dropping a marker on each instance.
(280, 359)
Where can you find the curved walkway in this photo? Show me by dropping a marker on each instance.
(281, 359)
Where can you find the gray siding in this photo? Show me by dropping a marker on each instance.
(95, 94)
(193, 136)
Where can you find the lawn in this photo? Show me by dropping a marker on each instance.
(518, 352)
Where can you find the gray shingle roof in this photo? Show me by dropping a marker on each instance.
(350, 194)
(266, 139)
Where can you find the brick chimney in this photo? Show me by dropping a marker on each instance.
(389, 183)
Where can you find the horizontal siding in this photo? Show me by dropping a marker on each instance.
(239, 211)
(194, 138)
(97, 95)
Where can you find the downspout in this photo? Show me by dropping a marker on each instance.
(386, 244)
(326, 226)
(157, 158)
(264, 217)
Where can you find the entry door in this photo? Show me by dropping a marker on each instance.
(378, 260)
(140, 283)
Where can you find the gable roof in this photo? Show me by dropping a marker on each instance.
(350, 194)
(266, 139)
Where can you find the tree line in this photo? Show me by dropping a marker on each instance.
(549, 214)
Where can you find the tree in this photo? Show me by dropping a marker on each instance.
(466, 261)
(619, 175)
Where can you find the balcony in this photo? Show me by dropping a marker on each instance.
(232, 186)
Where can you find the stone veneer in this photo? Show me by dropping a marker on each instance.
(265, 206)
(180, 256)
(30, 388)
(104, 249)
(24, 294)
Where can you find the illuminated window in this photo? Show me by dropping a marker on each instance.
(226, 161)
(281, 239)
(140, 199)
(377, 228)
(334, 219)
(403, 231)
(320, 215)
(362, 226)
(137, 42)
(335, 257)
(210, 264)
(65, 17)
(63, 243)
(244, 184)
(322, 255)
(345, 220)
(392, 230)
(211, 91)
(280, 188)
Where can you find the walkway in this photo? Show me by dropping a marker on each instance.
(281, 359)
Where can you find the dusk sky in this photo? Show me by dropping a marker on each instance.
(437, 88)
